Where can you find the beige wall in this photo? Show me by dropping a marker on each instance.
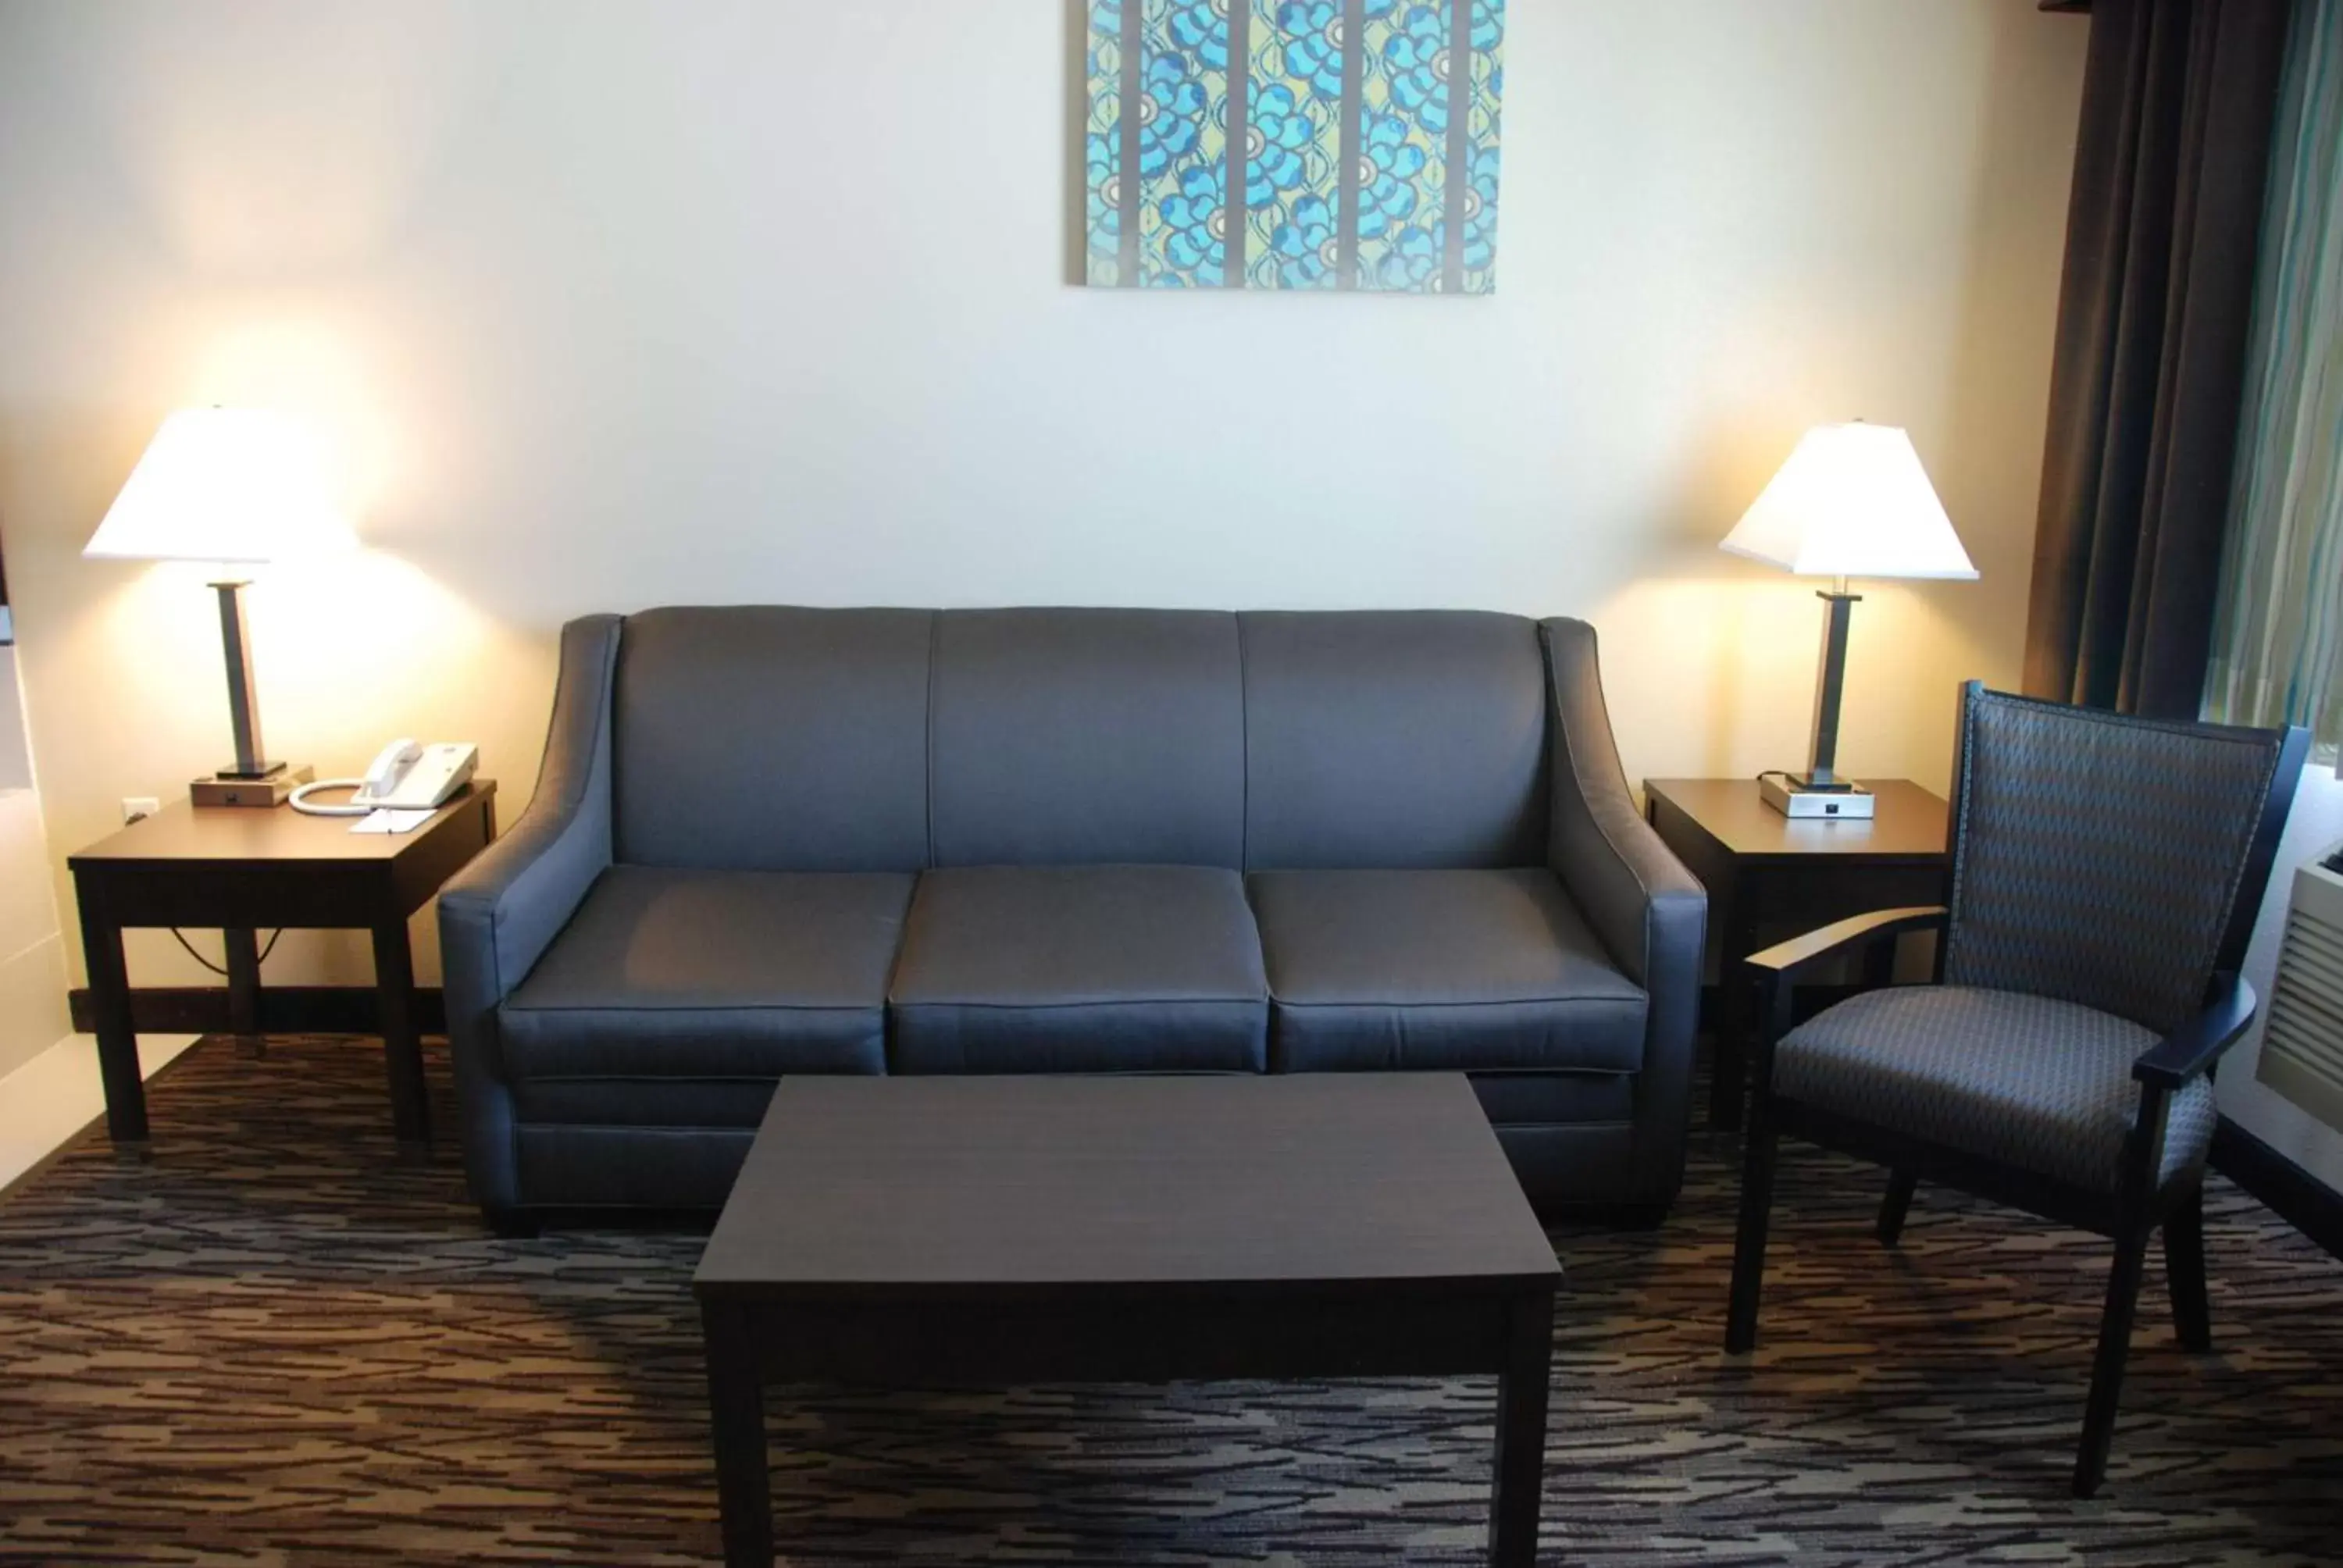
(753, 300)
(31, 951)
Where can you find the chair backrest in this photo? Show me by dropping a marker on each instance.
(2112, 861)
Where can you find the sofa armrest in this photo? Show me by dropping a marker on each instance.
(1641, 901)
(499, 914)
(1649, 912)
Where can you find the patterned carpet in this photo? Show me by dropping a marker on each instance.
(275, 1345)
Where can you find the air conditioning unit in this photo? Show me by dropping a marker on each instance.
(2302, 1041)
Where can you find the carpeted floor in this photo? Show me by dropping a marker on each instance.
(274, 1344)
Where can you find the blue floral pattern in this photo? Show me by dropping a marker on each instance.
(1201, 30)
(1282, 138)
(1416, 56)
(1305, 243)
(1170, 113)
(1266, 205)
(1389, 164)
(1315, 51)
(1191, 223)
(1487, 93)
(1102, 144)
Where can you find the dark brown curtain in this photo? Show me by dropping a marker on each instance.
(2178, 96)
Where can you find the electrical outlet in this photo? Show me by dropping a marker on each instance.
(137, 806)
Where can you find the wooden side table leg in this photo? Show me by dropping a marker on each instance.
(1879, 963)
(117, 1045)
(243, 950)
(1736, 1016)
(736, 1407)
(402, 1044)
(1521, 1433)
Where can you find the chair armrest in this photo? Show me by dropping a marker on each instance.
(498, 914)
(1787, 961)
(2191, 1050)
(1649, 912)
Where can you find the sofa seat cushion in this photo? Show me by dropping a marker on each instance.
(683, 973)
(1078, 969)
(1457, 970)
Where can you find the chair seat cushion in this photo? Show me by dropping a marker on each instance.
(678, 973)
(1060, 969)
(1442, 970)
(2025, 1080)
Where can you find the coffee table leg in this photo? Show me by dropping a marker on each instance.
(1521, 1433)
(736, 1408)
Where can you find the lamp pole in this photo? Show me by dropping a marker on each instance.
(1830, 686)
(243, 704)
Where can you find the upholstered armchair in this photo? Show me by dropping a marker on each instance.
(2106, 871)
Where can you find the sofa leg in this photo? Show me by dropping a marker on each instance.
(512, 1224)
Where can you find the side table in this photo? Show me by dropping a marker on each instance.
(1770, 878)
(238, 867)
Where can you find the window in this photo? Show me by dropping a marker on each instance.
(2278, 638)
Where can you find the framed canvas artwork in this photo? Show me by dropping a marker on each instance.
(1293, 144)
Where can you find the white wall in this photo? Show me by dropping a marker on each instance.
(2316, 825)
(32, 953)
(766, 300)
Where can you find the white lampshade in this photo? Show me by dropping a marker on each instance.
(226, 485)
(1852, 502)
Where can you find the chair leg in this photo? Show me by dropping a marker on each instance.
(1749, 1244)
(2108, 1368)
(2184, 1268)
(1901, 1185)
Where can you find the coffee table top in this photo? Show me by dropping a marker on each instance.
(869, 1187)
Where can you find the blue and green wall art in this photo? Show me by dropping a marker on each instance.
(1293, 144)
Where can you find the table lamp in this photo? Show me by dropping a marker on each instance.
(238, 486)
(1852, 502)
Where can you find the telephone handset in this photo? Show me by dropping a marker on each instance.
(403, 777)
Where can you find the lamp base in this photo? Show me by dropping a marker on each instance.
(270, 789)
(1793, 795)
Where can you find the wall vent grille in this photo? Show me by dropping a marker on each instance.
(2302, 1043)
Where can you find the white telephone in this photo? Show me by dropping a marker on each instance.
(404, 777)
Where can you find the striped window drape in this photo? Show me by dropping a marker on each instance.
(2278, 637)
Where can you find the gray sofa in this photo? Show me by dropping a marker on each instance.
(776, 841)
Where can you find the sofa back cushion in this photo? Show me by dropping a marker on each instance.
(1073, 736)
(772, 739)
(783, 739)
(1393, 739)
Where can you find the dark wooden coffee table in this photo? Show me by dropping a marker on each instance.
(941, 1231)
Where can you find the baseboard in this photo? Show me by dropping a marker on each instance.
(50, 1102)
(2289, 1192)
(284, 1009)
